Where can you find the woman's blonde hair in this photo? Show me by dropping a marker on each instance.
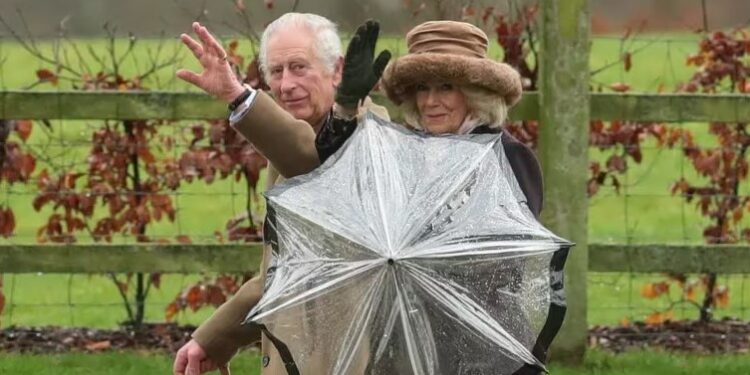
(487, 107)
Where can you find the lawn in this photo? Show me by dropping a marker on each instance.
(596, 363)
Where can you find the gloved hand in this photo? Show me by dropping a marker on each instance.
(360, 73)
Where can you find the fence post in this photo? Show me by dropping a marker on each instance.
(563, 152)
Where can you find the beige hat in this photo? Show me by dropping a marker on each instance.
(449, 51)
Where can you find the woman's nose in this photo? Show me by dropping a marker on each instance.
(432, 98)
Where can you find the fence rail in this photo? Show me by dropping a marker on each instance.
(37, 105)
(649, 258)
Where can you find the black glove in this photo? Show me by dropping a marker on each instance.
(360, 72)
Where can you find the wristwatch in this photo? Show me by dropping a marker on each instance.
(242, 104)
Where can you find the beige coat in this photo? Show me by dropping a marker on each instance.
(289, 145)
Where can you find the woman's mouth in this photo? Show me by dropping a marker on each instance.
(434, 117)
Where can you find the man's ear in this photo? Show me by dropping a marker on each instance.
(338, 70)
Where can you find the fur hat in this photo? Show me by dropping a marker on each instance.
(450, 51)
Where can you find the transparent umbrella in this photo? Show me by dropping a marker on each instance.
(410, 254)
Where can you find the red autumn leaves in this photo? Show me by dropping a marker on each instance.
(209, 292)
(16, 165)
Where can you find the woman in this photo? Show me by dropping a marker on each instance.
(447, 85)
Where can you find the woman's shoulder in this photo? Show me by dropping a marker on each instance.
(527, 170)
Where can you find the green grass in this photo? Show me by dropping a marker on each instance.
(596, 363)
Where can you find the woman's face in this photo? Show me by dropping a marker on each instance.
(442, 107)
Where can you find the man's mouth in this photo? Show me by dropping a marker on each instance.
(294, 102)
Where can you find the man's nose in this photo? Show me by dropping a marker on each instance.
(288, 82)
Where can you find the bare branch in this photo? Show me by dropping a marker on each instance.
(125, 300)
(31, 47)
(96, 57)
(248, 32)
(198, 18)
(619, 60)
(79, 55)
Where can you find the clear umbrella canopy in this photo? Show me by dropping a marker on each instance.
(410, 254)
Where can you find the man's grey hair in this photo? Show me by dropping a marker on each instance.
(327, 43)
(487, 107)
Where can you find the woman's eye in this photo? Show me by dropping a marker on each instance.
(422, 87)
(446, 87)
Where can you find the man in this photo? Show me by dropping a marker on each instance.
(300, 56)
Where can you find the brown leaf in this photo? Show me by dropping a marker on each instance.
(680, 187)
(228, 284)
(25, 166)
(99, 345)
(43, 179)
(253, 75)
(596, 126)
(23, 128)
(215, 296)
(123, 286)
(721, 296)
(690, 292)
(627, 61)
(654, 290)
(194, 297)
(593, 187)
(69, 180)
(7, 222)
(737, 215)
(155, 280)
(199, 132)
(619, 87)
(171, 311)
(657, 318)
(145, 154)
(616, 163)
(46, 75)
(183, 239)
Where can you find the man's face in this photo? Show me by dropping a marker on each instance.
(298, 79)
